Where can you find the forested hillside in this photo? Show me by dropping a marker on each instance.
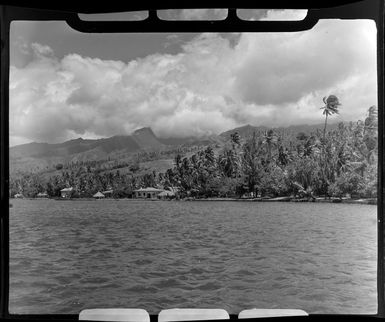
(337, 160)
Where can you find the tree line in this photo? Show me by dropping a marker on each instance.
(269, 163)
(334, 164)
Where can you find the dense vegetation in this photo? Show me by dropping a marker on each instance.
(269, 163)
(335, 163)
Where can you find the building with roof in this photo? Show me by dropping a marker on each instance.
(99, 195)
(147, 193)
(67, 192)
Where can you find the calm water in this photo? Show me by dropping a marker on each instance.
(71, 255)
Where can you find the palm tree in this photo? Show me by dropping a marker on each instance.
(228, 162)
(235, 139)
(284, 156)
(371, 122)
(331, 107)
(209, 158)
(371, 130)
(252, 163)
(270, 139)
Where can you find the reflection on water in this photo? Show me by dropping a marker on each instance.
(66, 256)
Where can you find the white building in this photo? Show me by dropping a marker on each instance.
(147, 193)
(66, 192)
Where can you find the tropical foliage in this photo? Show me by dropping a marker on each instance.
(334, 163)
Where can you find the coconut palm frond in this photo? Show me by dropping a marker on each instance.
(331, 105)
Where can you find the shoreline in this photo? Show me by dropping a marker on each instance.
(363, 201)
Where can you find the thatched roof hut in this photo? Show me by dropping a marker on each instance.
(98, 195)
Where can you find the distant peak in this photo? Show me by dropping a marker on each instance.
(143, 130)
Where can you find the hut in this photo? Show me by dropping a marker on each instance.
(98, 195)
(42, 195)
(147, 193)
(66, 192)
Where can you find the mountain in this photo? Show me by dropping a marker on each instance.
(243, 131)
(248, 130)
(146, 139)
(193, 141)
(29, 149)
(42, 156)
(38, 156)
(140, 139)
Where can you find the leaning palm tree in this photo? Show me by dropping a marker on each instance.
(331, 107)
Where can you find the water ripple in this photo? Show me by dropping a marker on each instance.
(158, 255)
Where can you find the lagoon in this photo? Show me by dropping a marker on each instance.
(66, 256)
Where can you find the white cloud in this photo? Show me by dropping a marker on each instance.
(298, 63)
(41, 51)
(212, 85)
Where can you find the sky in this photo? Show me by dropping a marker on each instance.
(65, 84)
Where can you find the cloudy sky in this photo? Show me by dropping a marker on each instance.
(65, 84)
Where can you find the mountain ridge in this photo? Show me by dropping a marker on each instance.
(40, 155)
(182, 140)
(247, 130)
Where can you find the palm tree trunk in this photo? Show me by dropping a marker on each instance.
(326, 121)
(323, 165)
